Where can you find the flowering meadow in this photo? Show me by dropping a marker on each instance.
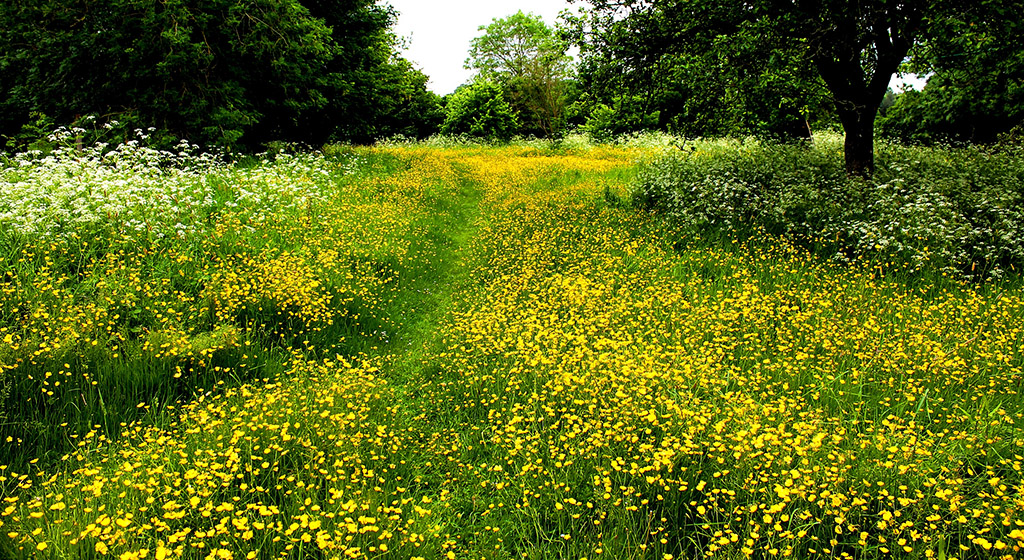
(417, 351)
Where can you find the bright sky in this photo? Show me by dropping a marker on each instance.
(439, 32)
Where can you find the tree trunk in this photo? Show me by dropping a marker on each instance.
(859, 147)
(856, 53)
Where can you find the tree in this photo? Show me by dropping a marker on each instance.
(975, 92)
(372, 92)
(854, 46)
(209, 70)
(225, 72)
(720, 76)
(480, 110)
(527, 58)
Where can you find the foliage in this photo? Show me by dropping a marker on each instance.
(528, 59)
(975, 91)
(371, 92)
(120, 284)
(943, 209)
(526, 371)
(480, 110)
(853, 47)
(605, 123)
(733, 83)
(232, 73)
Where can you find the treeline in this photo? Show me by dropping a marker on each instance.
(233, 73)
(242, 73)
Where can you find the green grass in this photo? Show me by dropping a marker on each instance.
(482, 351)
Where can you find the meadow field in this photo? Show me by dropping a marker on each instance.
(462, 351)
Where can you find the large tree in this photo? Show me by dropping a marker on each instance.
(528, 59)
(855, 46)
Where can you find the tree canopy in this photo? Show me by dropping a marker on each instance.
(225, 72)
(738, 81)
(851, 48)
(528, 60)
(975, 92)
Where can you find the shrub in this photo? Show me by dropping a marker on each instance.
(480, 110)
(947, 209)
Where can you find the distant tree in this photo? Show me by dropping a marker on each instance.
(528, 59)
(405, 105)
(371, 91)
(480, 110)
(975, 92)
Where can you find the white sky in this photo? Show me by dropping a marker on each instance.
(439, 33)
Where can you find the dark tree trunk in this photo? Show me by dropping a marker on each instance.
(856, 55)
(857, 101)
(859, 147)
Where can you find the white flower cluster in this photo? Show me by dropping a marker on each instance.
(956, 210)
(136, 189)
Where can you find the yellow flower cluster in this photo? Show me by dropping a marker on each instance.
(215, 482)
(594, 389)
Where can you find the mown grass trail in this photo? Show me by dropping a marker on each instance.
(531, 372)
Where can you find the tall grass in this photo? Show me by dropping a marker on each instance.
(528, 371)
(134, 279)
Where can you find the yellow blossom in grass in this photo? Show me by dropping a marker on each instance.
(582, 369)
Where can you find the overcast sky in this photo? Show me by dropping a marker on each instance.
(439, 33)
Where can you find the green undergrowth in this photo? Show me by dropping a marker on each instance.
(941, 210)
(483, 352)
(104, 326)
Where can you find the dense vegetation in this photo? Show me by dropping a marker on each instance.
(765, 65)
(231, 73)
(952, 210)
(244, 74)
(468, 352)
(597, 345)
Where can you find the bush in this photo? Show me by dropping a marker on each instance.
(480, 110)
(947, 209)
(604, 123)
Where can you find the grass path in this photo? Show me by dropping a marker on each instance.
(539, 374)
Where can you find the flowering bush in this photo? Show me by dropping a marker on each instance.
(135, 188)
(949, 209)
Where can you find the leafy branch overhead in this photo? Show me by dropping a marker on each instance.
(851, 48)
